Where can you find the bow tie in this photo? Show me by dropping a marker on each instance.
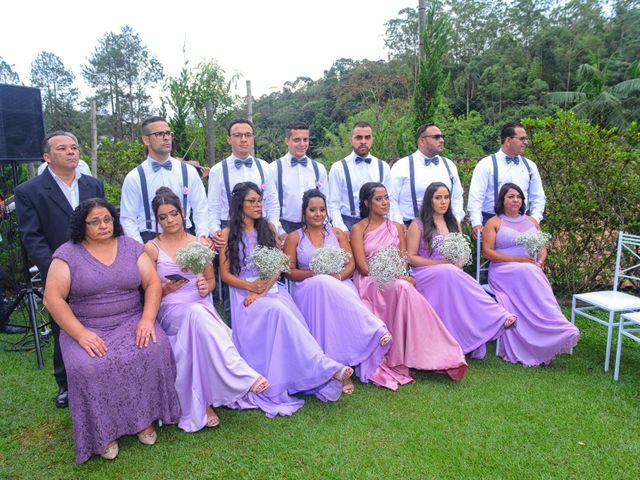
(239, 163)
(435, 160)
(365, 160)
(156, 166)
(303, 161)
(509, 159)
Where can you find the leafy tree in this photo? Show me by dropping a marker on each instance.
(60, 96)
(7, 75)
(432, 81)
(120, 71)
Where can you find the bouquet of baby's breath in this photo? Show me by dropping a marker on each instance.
(269, 261)
(454, 247)
(533, 242)
(194, 257)
(328, 260)
(387, 264)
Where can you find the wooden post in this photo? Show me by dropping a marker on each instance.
(211, 146)
(94, 140)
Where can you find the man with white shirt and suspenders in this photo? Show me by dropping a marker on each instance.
(506, 165)
(346, 176)
(295, 173)
(410, 177)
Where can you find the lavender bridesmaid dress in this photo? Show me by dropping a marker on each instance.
(210, 371)
(542, 331)
(127, 389)
(420, 339)
(274, 339)
(336, 316)
(468, 312)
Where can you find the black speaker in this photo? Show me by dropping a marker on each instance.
(21, 124)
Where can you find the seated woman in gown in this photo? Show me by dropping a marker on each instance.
(345, 329)
(210, 371)
(468, 312)
(420, 340)
(268, 328)
(119, 363)
(521, 287)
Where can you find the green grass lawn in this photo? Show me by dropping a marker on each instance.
(503, 421)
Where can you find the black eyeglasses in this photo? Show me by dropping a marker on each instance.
(438, 136)
(253, 201)
(161, 134)
(240, 135)
(97, 221)
(163, 216)
(522, 139)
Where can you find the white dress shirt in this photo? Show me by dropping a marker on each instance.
(481, 191)
(132, 215)
(295, 181)
(360, 173)
(71, 192)
(218, 199)
(400, 192)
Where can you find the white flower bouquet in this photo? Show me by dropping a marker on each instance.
(533, 242)
(328, 260)
(269, 261)
(387, 264)
(454, 247)
(194, 257)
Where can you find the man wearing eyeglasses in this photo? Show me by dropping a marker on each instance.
(161, 170)
(506, 165)
(347, 176)
(411, 175)
(295, 173)
(44, 205)
(240, 166)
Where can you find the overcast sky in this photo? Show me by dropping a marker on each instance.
(267, 42)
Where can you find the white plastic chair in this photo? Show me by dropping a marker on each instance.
(612, 301)
(626, 320)
(482, 265)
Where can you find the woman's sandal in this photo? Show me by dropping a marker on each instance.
(212, 420)
(111, 452)
(260, 385)
(344, 376)
(146, 437)
(510, 322)
(386, 338)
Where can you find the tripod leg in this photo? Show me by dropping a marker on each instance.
(31, 307)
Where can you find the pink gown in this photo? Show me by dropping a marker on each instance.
(420, 340)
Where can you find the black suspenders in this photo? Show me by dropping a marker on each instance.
(347, 177)
(316, 170)
(227, 184)
(145, 192)
(412, 181)
(495, 177)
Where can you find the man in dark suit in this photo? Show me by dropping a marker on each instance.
(44, 205)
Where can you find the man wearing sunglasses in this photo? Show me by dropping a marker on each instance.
(410, 176)
(161, 170)
(506, 165)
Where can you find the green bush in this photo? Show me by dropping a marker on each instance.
(591, 178)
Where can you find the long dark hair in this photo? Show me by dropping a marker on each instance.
(306, 197)
(499, 206)
(77, 225)
(366, 194)
(236, 226)
(165, 196)
(426, 214)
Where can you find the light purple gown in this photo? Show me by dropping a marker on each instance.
(210, 371)
(345, 329)
(274, 339)
(468, 312)
(542, 331)
(124, 391)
